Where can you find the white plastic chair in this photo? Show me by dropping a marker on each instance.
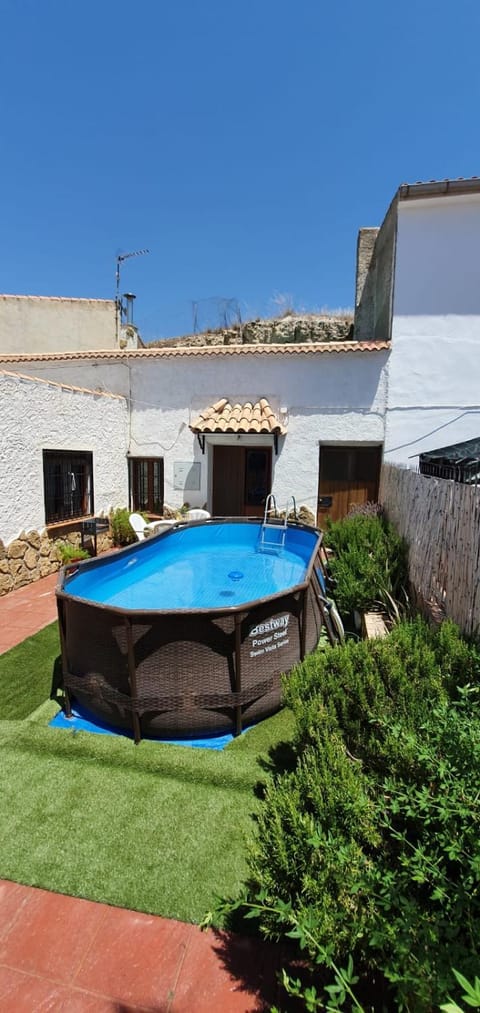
(196, 514)
(157, 526)
(144, 528)
(138, 524)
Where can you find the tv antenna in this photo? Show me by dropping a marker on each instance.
(126, 256)
(119, 260)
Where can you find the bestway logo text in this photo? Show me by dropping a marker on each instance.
(281, 622)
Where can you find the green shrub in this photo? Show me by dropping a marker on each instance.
(426, 879)
(369, 564)
(457, 657)
(122, 531)
(470, 995)
(365, 689)
(68, 552)
(369, 848)
(315, 830)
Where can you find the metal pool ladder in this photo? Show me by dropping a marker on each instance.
(294, 508)
(267, 542)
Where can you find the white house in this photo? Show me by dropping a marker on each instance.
(223, 425)
(280, 406)
(62, 455)
(421, 292)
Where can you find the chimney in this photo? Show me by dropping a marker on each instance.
(129, 299)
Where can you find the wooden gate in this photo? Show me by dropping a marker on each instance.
(347, 476)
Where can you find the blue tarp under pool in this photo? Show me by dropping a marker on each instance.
(81, 721)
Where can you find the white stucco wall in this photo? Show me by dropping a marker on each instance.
(331, 398)
(109, 374)
(434, 367)
(30, 324)
(36, 416)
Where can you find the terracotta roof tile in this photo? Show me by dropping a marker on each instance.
(307, 348)
(223, 417)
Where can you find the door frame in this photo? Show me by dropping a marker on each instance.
(245, 442)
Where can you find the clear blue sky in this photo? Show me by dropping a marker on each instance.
(242, 143)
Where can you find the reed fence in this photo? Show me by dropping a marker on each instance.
(440, 521)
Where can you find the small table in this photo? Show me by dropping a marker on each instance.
(91, 528)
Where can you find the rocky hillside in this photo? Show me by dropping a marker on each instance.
(289, 328)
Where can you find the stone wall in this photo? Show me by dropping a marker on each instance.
(292, 328)
(365, 285)
(384, 274)
(365, 247)
(374, 279)
(34, 555)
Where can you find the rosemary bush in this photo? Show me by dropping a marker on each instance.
(369, 564)
(368, 852)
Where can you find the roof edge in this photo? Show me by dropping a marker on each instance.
(28, 378)
(57, 298)
(300, 348)
(439, 188)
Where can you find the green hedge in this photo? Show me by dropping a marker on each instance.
(369, 565)
(122, 531)
(370, 847)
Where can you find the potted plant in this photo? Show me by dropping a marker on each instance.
(69, 553)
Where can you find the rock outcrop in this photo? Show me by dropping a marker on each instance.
(290, 328)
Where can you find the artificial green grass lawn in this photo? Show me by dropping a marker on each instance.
(157, 828)
(26, 673)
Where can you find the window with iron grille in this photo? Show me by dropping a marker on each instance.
(68, 484)
(146, 484)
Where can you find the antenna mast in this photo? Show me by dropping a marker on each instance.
(119, 260)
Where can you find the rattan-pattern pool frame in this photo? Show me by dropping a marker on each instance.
(191, 672)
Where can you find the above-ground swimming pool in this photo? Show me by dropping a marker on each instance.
(188, 632)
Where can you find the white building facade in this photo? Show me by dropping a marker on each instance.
(222, 426)
(422, 294)
(42, 420)
(322, 396)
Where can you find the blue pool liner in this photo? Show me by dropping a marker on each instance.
(211, 565)
(81, 721)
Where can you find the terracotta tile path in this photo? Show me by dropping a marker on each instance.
(60, 953)
(24, 612)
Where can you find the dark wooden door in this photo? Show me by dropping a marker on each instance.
(348, 475)
(228, 481)
(241, 480)
(146, 478)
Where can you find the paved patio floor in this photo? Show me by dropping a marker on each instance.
(24, 612)
(61, 953)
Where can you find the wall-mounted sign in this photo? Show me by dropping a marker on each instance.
(186, 475)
